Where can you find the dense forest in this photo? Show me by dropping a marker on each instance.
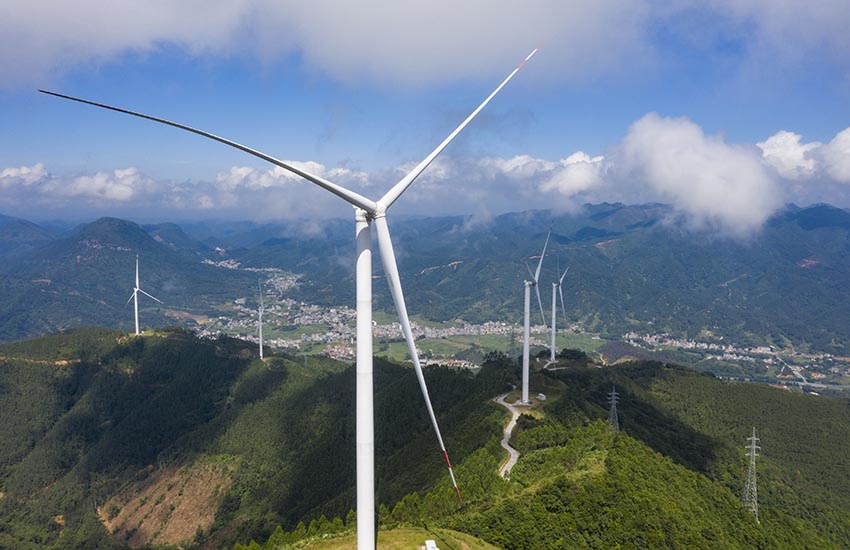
(92, 413)
(114, 441)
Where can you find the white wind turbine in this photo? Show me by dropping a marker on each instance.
(526, 329)
(366, 214)
(260, 325)
(557, 286)
(135, 296)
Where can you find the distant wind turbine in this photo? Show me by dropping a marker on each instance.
(135, 296)
(557, 286)
(260, 325)
(526, 342)
(367, 213)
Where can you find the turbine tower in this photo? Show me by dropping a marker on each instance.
(613, 420)
(260, 324)
(526, 330)
(367, 214)
(557, 287)
(751, 498)
(135, 297)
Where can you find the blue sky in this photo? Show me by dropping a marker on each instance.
(725, 109)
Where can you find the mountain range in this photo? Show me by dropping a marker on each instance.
(632, 268)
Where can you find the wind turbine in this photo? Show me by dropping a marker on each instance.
(367, 213)
(260, 325)
(526, 333)
(555, 313)
(135, 296)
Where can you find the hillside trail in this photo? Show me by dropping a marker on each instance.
(505, 470)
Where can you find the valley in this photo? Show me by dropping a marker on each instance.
(737, 310)
(313, 329)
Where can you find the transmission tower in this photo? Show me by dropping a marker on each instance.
(751, 498)
(613, 397)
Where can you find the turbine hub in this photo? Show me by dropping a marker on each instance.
(380, 210)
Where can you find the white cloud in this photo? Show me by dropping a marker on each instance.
(713, 183)
(35, 183)
(835, 157)
(781, 31)
(118, 186)
(350, 41)
(245, 177)
(791, 159)
(710, 183)
(520, 166)
(23, 175)
(397, 42)
(808, 162)
(577, 173)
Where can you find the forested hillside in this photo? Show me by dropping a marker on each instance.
(139, 433)
(85, 277)
(671, 478)
(115, 441)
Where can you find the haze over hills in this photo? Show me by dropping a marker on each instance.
(633, 268)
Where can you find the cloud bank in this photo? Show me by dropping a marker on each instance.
(712, 185)
(415, 42)
(794, 160)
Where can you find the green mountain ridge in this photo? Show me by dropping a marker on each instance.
(85, 278)
(110, 440)
(633, 268)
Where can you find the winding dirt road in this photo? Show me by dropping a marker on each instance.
(505, 470)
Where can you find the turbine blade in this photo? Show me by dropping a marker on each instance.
(137, 271)
(149, 296)
(561, 280)
(385, 246)
(563, 308)
(540, 303)
(393, 194)
(133, 295)
(349, 196)
(530, 274)
(542, 255)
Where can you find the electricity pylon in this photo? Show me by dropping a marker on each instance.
(751, 498)
(613, 397)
